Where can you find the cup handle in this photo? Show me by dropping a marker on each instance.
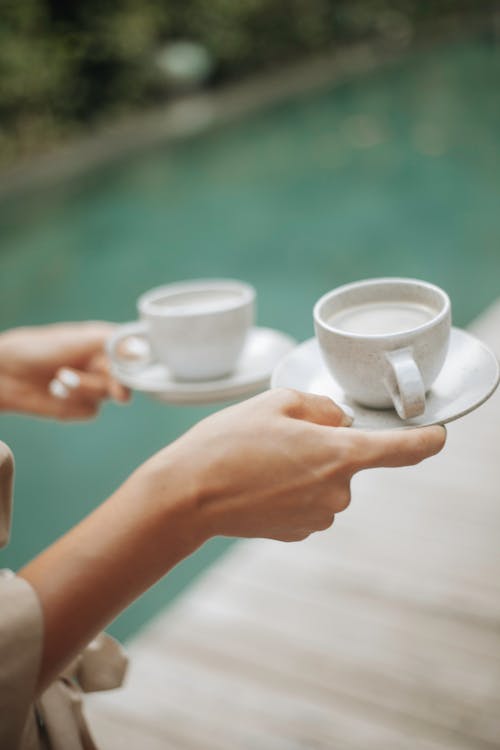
(139, 348)
(404, 383)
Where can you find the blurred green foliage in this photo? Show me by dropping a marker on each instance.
(64, 66)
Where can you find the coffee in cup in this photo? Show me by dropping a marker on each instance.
(385, 340)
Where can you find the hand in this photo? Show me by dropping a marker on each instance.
(280, 465)
(58, 371)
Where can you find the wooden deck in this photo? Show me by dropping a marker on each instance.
(382, 633)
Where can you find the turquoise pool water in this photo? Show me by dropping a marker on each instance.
(393, 173)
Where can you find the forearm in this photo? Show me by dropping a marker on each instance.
(88, 576)
(277, 466)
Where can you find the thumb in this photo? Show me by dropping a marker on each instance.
(400, 447)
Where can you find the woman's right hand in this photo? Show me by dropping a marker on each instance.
(278, 465)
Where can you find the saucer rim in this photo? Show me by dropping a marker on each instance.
(202, 391)
(312, 342)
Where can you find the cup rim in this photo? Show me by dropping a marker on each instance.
(373, 282)
(145, 302)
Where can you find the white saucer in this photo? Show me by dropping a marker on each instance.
(265, 347)
(469, 376)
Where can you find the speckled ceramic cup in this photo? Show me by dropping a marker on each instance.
(385, 340)
(197, 329)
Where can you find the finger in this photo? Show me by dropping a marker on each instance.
(81, 385)
(58, 402)
(98, 384)
(320, 410)
(324, 411)
(397, 447)
(92, 385)
(117, 391)
(100, 364)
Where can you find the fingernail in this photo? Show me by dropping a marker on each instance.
(69, 378)
(58, 389)
(348, 417)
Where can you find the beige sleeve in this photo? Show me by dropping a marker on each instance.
(21, 637)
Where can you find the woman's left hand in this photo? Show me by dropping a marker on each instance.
(59, 371)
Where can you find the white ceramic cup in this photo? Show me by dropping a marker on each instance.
(385, 340)
(197, 329)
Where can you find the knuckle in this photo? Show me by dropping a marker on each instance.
(292, 401)
(342, 499)
(329, 408)
(296, 536)
(347, 453)
(363, 451)
(326, 522)
(303, 535)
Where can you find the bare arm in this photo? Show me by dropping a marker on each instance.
(93, 572)
(276, 466)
